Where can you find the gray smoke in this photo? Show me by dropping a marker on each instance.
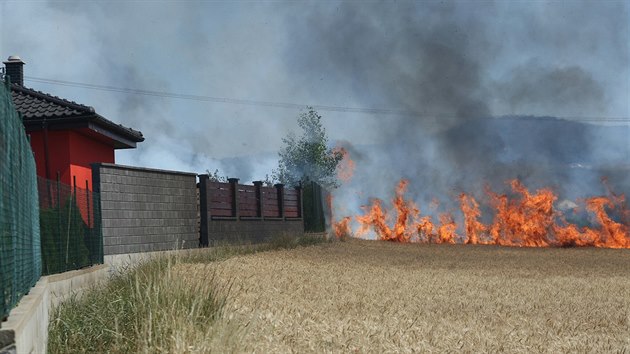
(453, 66)
(538, 89)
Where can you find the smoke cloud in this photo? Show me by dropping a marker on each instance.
(456, 65)
(474, 78)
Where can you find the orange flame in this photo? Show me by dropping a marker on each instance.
(345, 168)
(614, 234)
(376, 217)
(447, 230)
(474, 229)
(524, 219)
(342, 228)
(426, 229)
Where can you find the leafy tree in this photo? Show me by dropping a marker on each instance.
(307, 157)
(216, 177)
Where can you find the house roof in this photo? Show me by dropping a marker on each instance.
(39, 109)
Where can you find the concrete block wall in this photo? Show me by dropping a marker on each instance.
(146, 210)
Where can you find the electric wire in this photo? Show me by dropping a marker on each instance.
(238, 101)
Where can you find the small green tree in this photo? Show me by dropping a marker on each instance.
(307, 157)
(216, 177)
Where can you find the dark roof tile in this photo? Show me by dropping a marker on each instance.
(37, 105)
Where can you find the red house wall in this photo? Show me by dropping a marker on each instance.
(70, 153)
(58, 154)
(85, 151)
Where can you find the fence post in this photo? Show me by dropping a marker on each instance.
(59, 249)
(280, 189)
(87, 202)
(203, 210)
(73, 196)
(259, 199)
(320, 209)
(299, 200)
(90, 230)
(96, 200)
(234, 190)
(49, 194)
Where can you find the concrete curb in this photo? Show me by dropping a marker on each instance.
(27, 324)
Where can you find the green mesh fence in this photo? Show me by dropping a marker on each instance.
(70, 227)
(20, 257)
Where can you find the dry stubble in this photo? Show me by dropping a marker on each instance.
(371, 296)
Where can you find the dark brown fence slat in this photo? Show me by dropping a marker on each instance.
(290, 207)
(220, 193)
(219, 209)
(248, 213)
(219, 199)
(221, 212)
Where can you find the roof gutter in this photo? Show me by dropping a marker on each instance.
(92, 120)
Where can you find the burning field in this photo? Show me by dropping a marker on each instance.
(519, 218)
(369, 296)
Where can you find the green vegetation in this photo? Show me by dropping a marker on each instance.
(154, 307)
(65, 239)
(307, 158)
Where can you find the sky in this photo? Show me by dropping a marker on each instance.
(428, 66)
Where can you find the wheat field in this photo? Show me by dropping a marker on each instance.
(369, 296)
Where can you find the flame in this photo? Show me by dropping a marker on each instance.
(474, 229)
(426, 229)
(448, 228)
(522, 218)
(525, 221)
(376, 217)
(345, 168)
(615, 234)
(342, 228)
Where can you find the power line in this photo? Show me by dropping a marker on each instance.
(203, 98)
(218, 99)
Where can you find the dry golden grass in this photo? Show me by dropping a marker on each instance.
(366, 296)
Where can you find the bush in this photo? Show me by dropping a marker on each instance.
(63, 239)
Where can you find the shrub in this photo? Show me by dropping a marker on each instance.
(63, 239)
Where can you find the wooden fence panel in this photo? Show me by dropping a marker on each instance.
(220, 203)
(291, 200)
(270, 202)
(247, 201)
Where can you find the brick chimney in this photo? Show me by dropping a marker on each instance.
(15, 69)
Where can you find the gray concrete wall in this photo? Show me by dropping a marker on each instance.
(238, 231)
(146, 210)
